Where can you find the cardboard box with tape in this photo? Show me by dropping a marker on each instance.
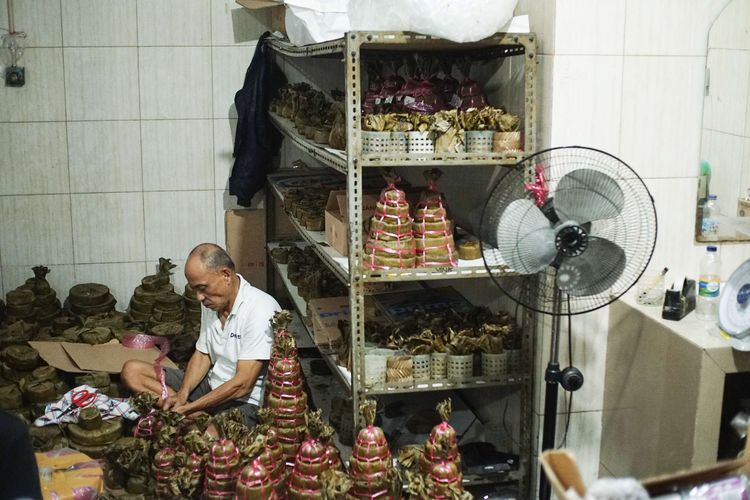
(337, 219)
(565, 477)
(325, 315)
(246, 244)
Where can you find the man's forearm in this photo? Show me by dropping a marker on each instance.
(236, 387)
(196, 369)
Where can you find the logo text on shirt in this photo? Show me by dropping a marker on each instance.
(235, 336)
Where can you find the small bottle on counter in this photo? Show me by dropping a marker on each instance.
(710, 223)
(709, 284)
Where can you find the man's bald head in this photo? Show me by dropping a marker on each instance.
(212, 256)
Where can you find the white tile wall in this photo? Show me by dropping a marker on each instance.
(655, 92)
(175, 82)
(669, 27)
(174, 22)
(230, 66)
(589, 27)
(36, 230)
(105, 156)
(224, 131)
(61, 278)
(725, 107)
(655, 127)
(42, 98)
(593, 121)
(726, 153)
(36, 158)
(589, 344)
(545, 95)
(234, 25)
(40, 19)
(175, 223)
(726, 32)
(127, 106)
(121, 278)
(101, 83)
(108, 227)
(104, 23)
(177, 155)
(541, 21)
(675, 209)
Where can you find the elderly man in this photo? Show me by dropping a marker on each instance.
(228, 367)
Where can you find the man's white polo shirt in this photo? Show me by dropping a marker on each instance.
(247, 334)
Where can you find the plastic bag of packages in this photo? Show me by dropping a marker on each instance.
(455, 20)
(313, 21)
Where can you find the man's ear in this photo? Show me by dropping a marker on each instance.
(226, 273)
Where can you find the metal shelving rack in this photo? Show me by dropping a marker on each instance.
(351, 163)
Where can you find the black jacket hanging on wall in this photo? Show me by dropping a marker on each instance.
(256, 140)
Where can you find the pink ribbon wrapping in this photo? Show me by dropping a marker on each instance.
(539, 188)
(143, 341)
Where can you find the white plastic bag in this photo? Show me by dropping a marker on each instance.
(313, 21)
(456, 20)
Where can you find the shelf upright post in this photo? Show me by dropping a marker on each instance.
(354, 207)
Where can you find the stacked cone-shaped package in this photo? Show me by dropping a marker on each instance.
(222, 470)
(371, 464)
(272, 457)
(433, 230)
(390, 244)
(441, 460)
(286, 397)
(255, 483)
(315, 456)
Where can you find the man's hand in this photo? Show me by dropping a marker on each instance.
(173, 402)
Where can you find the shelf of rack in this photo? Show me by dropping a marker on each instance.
(283, 46)
(300, 330)
(510, 43)
(339, 264)
(334, 158)
(301, 309)
(446, 385)
(516, 55)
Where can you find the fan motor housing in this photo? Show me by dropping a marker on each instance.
(571, 241)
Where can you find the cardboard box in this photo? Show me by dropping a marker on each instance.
(337, 220)
(277, 11)
(326, 313)
(84, 358)
(562, 471)
(246, 244)
(400, 306)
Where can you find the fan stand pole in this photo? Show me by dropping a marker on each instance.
(552, 377)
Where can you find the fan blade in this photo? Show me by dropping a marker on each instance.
(592, 272)
(524, 237)
(584, 195)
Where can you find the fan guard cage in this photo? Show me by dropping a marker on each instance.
(634, 229)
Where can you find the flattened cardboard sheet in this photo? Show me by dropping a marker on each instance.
(55, 355)
(82, 358)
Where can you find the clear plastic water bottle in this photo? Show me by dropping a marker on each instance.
(710, 224)
(709, 284)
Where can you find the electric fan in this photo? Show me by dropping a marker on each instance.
(734, 308)
(578, 227)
